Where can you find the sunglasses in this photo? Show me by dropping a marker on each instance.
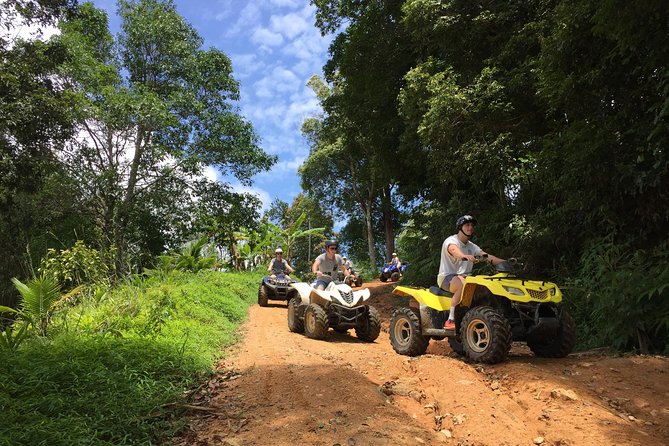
(333, 248)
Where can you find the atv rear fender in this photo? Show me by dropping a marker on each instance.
(425, 297)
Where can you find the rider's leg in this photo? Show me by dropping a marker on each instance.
(455, 287)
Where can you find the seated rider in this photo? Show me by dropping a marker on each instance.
(348, 264)
(457, 257)
(395, 261)
(279, 265)
(327, 264)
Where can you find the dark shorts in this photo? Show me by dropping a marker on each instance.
(445, 285)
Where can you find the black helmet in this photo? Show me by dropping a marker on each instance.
(331, 243)
(464, 219)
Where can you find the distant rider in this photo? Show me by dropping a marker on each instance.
(326, 265)
(348, 264)
(457, 257)
(279, 265)
(395, 261)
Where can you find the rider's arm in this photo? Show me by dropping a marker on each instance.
(494, 260)
(457, 253)
(269, 268)
(290, 268)
(314, 267)
(343, 268)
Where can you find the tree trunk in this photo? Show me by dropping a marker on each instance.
(387, 209)
(370, 235)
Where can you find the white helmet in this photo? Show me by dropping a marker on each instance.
(394, 254)
(278, 251)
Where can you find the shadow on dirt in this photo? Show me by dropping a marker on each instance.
(298, 404)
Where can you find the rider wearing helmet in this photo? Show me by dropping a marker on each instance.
(395, 261)
(326, 265)
(457, 257)
(279, 265)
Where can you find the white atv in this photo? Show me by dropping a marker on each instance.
(314, 311)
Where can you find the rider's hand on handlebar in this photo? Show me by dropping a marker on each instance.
(469, 258)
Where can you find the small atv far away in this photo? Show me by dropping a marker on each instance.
(277, 288)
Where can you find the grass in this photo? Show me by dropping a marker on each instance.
(115, 371)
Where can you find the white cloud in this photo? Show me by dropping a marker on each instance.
(279, 81)
(266, 38)
(246, 65)
(289, 25)
(285, 3)
(248, 17)
(264, 197)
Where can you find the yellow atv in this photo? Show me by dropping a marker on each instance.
(494, 311)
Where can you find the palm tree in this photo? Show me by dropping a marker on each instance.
(38, 298)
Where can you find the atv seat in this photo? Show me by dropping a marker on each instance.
(434, 289)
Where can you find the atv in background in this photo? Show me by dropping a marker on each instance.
(277, 288)
(313, 312)
(494, 311)
(392, 272)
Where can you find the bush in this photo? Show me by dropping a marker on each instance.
(116, 371)
(621, 298)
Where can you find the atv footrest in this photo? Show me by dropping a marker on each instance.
(438, 332)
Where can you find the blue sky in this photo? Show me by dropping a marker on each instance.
(275, 48)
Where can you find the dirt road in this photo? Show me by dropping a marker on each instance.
(281, 388)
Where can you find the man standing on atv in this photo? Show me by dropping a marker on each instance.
(279, 265)
(326, 265)
(458, 254)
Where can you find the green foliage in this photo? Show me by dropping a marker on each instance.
(79, 265)
(196, 256)
(11, 338)
(119, 375)
(154, 85)
(38, 298)
(623, 295)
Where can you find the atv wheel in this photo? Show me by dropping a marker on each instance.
(383, 278)
(395, 276)
(358, 281)
(456, 345)
(405, 334)
(369, 328)
(560, 345)
(295, 324)
(262, 296)
(486, 335)
(316, 322)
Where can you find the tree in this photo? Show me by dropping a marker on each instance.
(155, 109)
(368, 60)
(36, 199)
(306, 224)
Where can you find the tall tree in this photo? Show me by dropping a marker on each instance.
(368, 60)
(156, 109)
(36, 199)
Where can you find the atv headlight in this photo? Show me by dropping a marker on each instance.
(515, 291)
(553, 291)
